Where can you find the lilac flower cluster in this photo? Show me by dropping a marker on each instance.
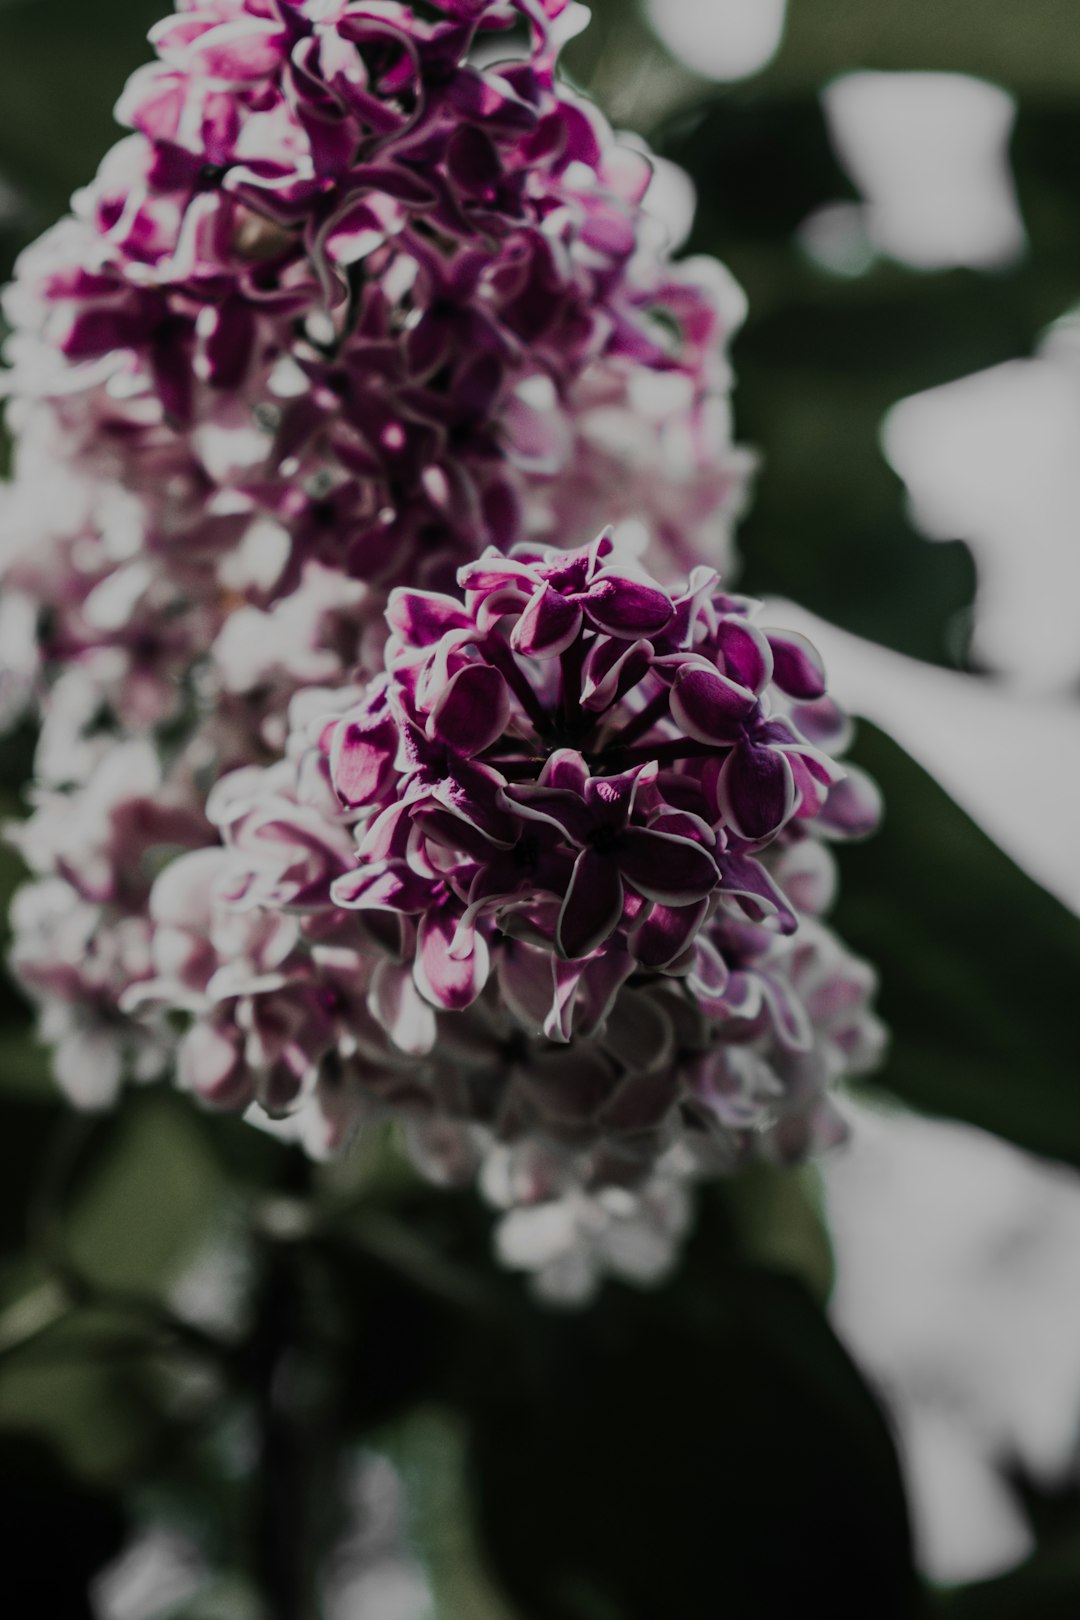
(348, 756)
(342, 298)
(543, 887)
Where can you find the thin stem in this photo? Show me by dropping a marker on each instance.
(280, 1506)
(71, 1287)
(664, 753)
(653, 711)
(571, 663)
(500, 656)
(395, 1245)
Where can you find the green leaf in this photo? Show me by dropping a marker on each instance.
(72, 1390)
(428, 1449)
(707, 1450)
(776, 1221)
(147, 1197)
(62, 65)
(975, 961)
(1033, 47)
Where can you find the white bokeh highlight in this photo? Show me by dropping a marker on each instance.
(835, 238)
(958, 1290)
(1009, 757)
(719, 39)
(994, 459)
(929, 153)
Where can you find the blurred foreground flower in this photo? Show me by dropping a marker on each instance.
(367, 313)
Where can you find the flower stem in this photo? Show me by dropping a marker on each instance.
(500, 656)
(665, 753)
(653, 711)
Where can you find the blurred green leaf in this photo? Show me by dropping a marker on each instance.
(975, 960)
(1034, 47)
(429, 1450)
(708, 1450)
(62, 65)
(29, 1128)
(145, 1199)
(776, 1221)
(25, 1070)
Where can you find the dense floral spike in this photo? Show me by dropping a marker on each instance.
(367, 301)
(547, 881)
(346, 297)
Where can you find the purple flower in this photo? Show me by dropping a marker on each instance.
(554, 596)
(352, 768)
(597, 802)
(594, 817)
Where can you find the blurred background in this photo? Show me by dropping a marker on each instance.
(863, 1387)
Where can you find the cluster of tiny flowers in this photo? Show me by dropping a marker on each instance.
(345, 300)
(544, 889)
(365, 790)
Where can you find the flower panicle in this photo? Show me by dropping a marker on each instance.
(364, 789)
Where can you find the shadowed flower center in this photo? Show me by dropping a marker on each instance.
(604, 840)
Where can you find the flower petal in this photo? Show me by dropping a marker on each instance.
(852, 808)
(397, 1006)
(381, 886)
(746, 654)
(565, 769)
(548, 625)
(422, 618)
(362, 757)
(666, 933)
(756, 790)
(475, 793)
(472, 711)
(558, 807)
(666, 868)
(446, 980)
(612, 669)
(626, 607)
(747, 881)
(708, 706)
(611, 799)
(797, 666)
(593, 906)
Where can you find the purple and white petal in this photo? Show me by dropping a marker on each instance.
(746, 655)
(593, 906)
(853, 807)
(756, 791)
(362, 755)
(708, 706)
(449, 981)
(666, 933)
(797, 666)
(422, 618)
(472, 710)
(760, 897)
(626, 607)
(665, 868)
(397, 1005)
(548, 626)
